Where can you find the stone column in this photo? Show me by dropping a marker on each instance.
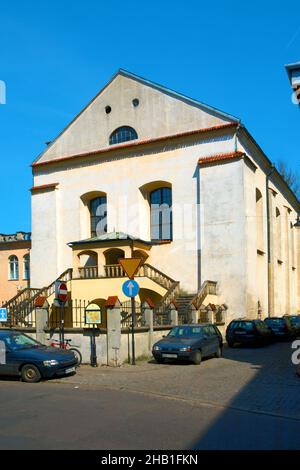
(173, 314)
(113, 309)
(210, 314)
(193, 314)
(147, 309)
(41, 318)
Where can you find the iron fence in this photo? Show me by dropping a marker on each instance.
(74, 314)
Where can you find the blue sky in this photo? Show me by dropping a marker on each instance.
(56, 55)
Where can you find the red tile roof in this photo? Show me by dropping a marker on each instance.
(40, 301)
(44, 187)
(133, 144)
(111, 301)
(220, 157)
(149, 302)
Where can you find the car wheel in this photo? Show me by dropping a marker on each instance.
(219, 352)
(77, 354)
(197, 358)
(30, 374)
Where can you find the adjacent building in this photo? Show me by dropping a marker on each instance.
(14, 264)
(293, 71)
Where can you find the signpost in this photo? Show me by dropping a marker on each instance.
(93, 316)
(131, 289)
(3, 315)
(61, 294)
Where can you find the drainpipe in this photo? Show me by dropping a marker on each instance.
(269, 237)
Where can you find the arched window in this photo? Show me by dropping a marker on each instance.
(26, 268)
(161, 214)
(122, 134)
(278, 234)
(259, 221)
(98, 212)
(13, 268)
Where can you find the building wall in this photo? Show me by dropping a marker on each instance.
(8, 288)
(57, 216)
(158, 114)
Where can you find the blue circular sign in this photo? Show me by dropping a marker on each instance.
(130, 288)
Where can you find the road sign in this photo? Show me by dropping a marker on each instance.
(3, 315)
(61, 291)
(130, 288)
(130, 265)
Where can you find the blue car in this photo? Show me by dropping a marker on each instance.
(189, 343)
(20, 355)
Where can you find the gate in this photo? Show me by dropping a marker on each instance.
(126, 314)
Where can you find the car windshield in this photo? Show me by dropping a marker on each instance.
(275, 321)
(19, 341)
(242, 325)
(185, 331)
(295, 320)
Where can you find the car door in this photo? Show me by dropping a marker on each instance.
(214, 340)
(8, 360)
(206, 341)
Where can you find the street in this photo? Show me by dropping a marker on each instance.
(249, 399)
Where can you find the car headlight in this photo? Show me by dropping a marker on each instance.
(51, 363)
(185, 349)
(156, 348)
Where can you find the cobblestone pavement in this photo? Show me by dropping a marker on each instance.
(260, 380)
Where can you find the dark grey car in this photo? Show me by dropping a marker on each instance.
(189, 343)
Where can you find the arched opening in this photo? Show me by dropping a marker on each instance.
(259, 221)
(113, 255)
(122, 134)
(141, 254)
(145, 294)
(13, 268)
(88, 264)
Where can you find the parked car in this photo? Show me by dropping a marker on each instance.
(21, 355)
(281, 327)
(246, 331)
(189, 343)
(295, 322)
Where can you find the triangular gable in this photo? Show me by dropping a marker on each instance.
(160, 112)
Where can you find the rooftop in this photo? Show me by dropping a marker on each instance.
(15, 237)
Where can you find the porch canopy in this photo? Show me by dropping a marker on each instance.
(98, 256)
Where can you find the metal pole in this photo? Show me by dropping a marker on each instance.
(94, 354)
(62, 317)
(132, 329)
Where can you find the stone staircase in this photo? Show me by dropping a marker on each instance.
(183, 302)
(21, 308)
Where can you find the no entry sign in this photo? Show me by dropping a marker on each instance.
(61, 291)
